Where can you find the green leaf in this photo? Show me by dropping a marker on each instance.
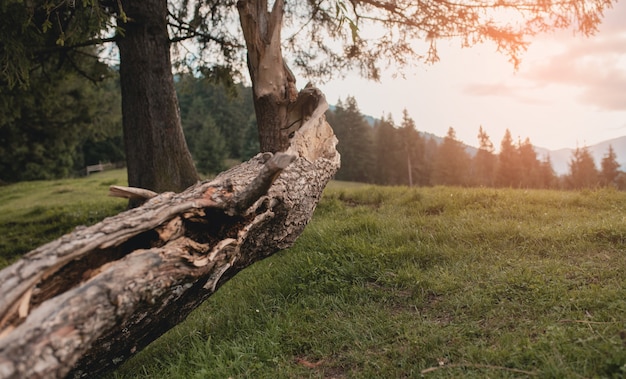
(355, 30)
(123, 16)
(47, 25)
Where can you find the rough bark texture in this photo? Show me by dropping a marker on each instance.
(273, 84)
(156, 152)
(86, 302)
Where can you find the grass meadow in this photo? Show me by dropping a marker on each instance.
(391, 282)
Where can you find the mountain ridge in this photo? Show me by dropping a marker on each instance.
(560, 158)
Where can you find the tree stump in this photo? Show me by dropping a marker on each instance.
(86, 302)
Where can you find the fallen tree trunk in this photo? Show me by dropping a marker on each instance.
(86, 302)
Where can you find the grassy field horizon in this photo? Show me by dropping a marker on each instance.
(393, 282)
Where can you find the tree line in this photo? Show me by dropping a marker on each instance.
(58, 125)
(62, 123)
(384, 153)
(56, 128)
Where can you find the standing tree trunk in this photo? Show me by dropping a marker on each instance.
(156, 152)
(273, 84)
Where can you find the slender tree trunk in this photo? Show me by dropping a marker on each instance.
(156, 152)
(273, 84)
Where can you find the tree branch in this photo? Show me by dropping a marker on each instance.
(91, 42)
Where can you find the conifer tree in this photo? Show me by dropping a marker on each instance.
(583, 171)
(610, 168)
(413, 150)
(451, 163)
(484, 162)
(548, 178)
(529, 165)
(388, 153)
(230, 108)
(508, 169)
(205, 141)
(431, 149)
(355, 142)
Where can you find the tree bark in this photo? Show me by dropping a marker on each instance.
(86, 302)
(273, 84)
(157, 156)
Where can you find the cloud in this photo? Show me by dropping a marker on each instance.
(607, 92)
(597, 67)
(591, 69)
(502, 89)
(495, 89)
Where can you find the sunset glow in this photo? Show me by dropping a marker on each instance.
(569, 90)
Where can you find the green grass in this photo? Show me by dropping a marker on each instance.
(33, 213)
(432, 282)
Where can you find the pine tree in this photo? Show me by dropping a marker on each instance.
(413, 150)
(484, 163)
(210, 148)
(529, 165)
(508, 171)
(355, 143)
(451, 163)
(547, 176)
(231, 109)
(388, 154)
(56, 33)
(431, 149)
(206, 143)
(583, 171)
(610, 168)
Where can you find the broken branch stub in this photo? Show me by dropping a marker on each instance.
(86, 302)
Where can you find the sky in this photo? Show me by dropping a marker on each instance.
(569, 90)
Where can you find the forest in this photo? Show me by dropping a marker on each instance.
(59, 125)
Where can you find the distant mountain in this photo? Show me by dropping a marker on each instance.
(560, 158)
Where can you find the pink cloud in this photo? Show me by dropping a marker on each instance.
(501, 89)
(595, 65)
